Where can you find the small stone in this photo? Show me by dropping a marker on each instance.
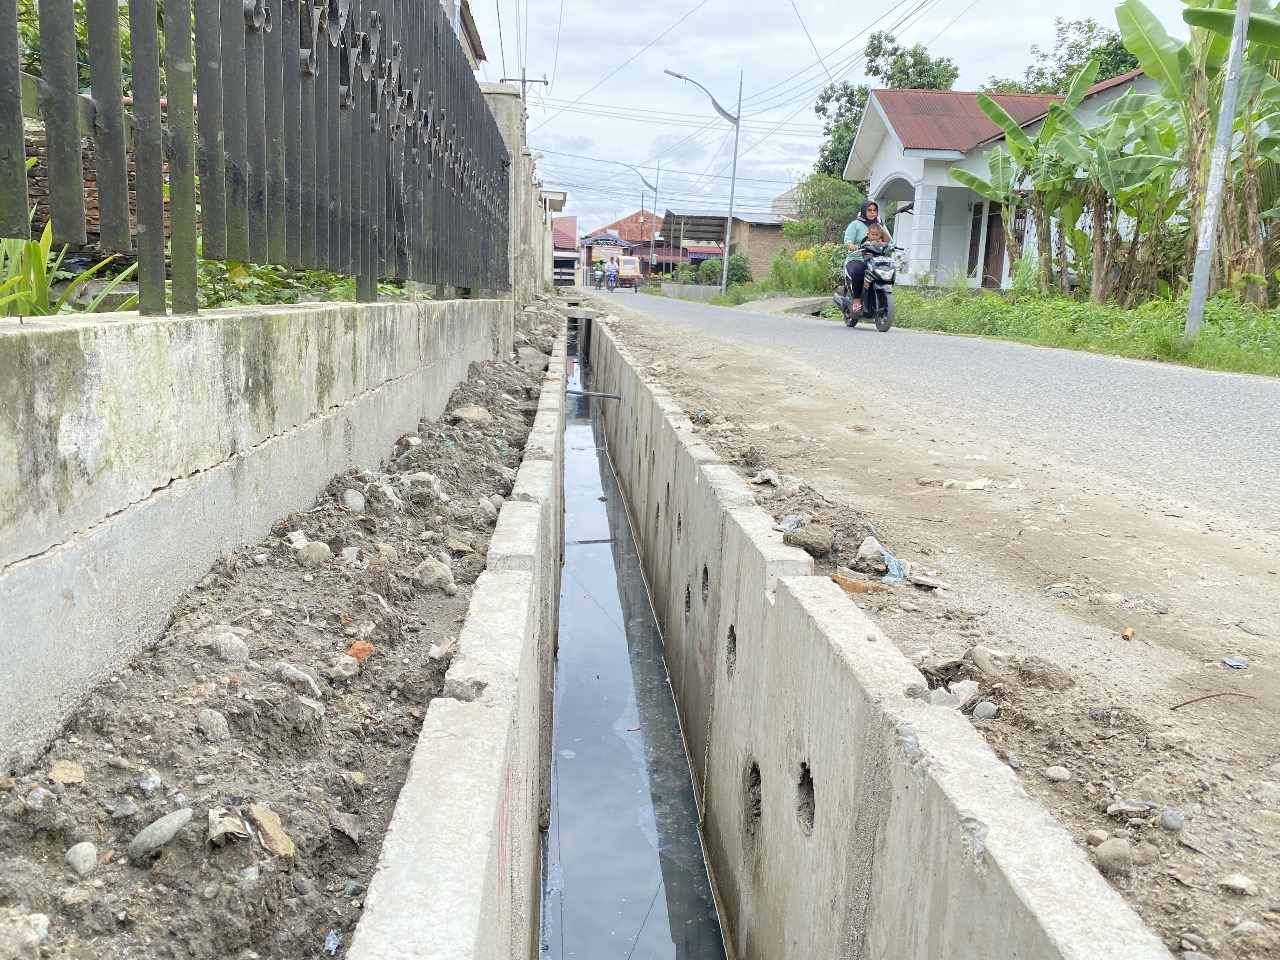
(387, 553)
(497, 501)
(1194, 955)
(39, 800)
(232, 649)
(302, 681)
(1096, 838)
(213, 725)
(357, 780)
(471, 414)
(126, 809)
(432, 574)
(83, 859)
(1248, 928)
(1238, 883)
(1127, 808)
(1145, 854)
(353, 888)
(148, 842)
(296, 538)
(487, 509)
(353, 500)
(66, 773)
(1115, 857)
(870, 558)
(1193, 942)
(1171, 819)
(1100, 715)
(814, 539)
(346, 668)
(273, 836)
(314, 554)
(1057, 774)
(300, 886)
(350, 555)
(261, 559)
(986, 710)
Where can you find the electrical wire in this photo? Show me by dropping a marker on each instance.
(666, 171)
(555, 61)
(502, 47)
(624, 64)
(811, 43)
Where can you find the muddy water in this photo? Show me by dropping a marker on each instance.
(625, 877)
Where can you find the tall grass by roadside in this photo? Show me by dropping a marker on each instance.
(1238, 338)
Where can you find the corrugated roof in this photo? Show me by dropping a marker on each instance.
(1113, 82)
(565, 232)
(636, 228)
(951, 119)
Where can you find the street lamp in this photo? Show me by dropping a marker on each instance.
(733, 179)
(653, 226)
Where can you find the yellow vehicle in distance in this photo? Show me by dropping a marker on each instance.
(629, 274)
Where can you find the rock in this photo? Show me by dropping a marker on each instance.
(1191, 941)
(83, 859)
(471, 414)
(126, 809)
(1096, 838)
(314, 554)
(814, 539)
(297, 539)
(1193, 955)
(986, 710)
(295, 677)
(300, 886)
(22, 934)
(1239, 884)
(1100, 714)
(486, 508)
(213, 725)
(66, 773)
(347, 824)
(1115, 857)
(353, 500)
(431, 574)
(1248, 928)
(1145, 854)
(350, 555)
(345, 668)
(357, 780)
(1057, 774)
(148, 842)
(232, 649)
(225, 825)
(1171, 819)
(767, 476)
(984, 658)
(870, 558)
(533, 361)
(272, 833)
(498, 501)
(1128, 808)
(353, 888)
(39, 800)
(261, 559)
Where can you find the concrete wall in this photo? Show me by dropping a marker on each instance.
(459, 874)
(691, 291)
(921, 843)
(529, 219)
(135, 452)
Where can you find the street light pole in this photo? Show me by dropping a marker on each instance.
(654, 188)
(736, 120)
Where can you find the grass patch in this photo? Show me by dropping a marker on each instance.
(1235, 337)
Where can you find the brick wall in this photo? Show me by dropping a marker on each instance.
(761, 243)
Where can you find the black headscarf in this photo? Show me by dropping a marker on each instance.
(862, 212)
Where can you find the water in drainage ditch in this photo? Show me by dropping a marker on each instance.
(624, 875)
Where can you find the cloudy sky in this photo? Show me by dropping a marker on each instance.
(609, 101)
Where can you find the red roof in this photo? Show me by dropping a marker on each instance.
(565, 233)
(636, 228)
(951, 119)
(1114, 82)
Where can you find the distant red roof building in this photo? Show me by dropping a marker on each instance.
(637, 228)
(565, 232)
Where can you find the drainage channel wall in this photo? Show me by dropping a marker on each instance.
(459, 874)
(134, 452)
(843, 816)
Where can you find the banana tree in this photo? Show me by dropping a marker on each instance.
(1000, 187)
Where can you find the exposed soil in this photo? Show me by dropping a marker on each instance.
(1084, 610)
(281, 709)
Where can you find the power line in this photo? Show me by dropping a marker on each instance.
(502, 47)
(811, 43)
(665, 170)
(555, 62)
(624, 64)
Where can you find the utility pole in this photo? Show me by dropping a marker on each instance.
(1217, 176)
(524, 82)
(653, 228)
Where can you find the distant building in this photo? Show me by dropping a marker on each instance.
(758, 236)
(787, 206)
(464, 25)
(565, 232)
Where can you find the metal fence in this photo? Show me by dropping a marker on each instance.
(348, 136)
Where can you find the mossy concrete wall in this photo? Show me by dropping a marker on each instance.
(134, 452)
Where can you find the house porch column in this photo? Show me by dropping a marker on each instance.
(920, 248)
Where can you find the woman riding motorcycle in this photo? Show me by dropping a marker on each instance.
(855, 264)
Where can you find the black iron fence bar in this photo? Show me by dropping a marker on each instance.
(182, 169)
(349, 135)
(60, 107)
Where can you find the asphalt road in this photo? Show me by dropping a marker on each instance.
(1195, 436)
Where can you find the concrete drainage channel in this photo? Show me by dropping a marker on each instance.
(843, 817)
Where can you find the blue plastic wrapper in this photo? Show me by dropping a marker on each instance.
(896, 570)
(332, 944)
(1235, 664)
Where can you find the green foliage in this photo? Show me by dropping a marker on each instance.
(1236, 337)
(711, 272)
(232, 284)
(802, 233)
(739, 269)
(29, 41)
(1076, 43)
(810, 272)
(841, 105)
(831, 202)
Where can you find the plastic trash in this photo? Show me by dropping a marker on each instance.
(332, 944)
(1235, 664)
(792, 521)
(897, 572)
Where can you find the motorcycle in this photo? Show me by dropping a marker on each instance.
(611, 280)
(877, 298)
(599, 279)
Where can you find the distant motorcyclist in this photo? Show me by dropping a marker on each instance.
(855, 265)
(611, 272)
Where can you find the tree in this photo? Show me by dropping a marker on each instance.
(711, 271)
(830, 201)
(1076, 43)
(841, 105)
(739, 269)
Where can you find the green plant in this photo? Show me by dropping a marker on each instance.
(711, 271)
(739, 269)
(686, 273)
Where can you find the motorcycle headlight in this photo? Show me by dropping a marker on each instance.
(885, 273)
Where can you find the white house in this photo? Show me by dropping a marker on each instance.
(908, 143)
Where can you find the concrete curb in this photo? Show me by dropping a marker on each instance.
(843, 816)
(459, 874)
(134, 453)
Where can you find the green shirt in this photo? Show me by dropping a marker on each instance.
(855, 233)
